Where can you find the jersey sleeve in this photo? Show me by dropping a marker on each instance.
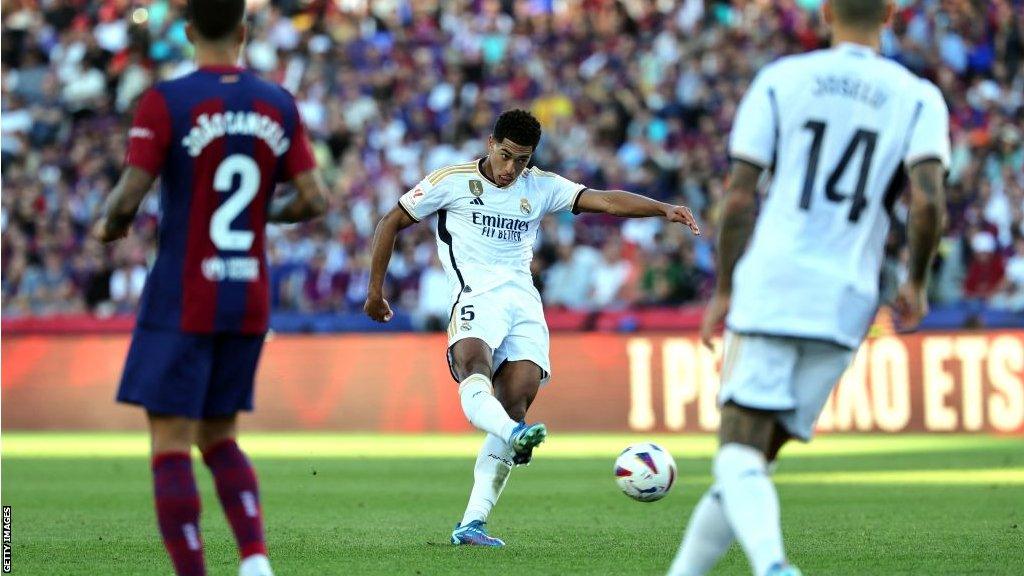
(150, 134)
(564, 193)
(929, 130)
(299, 157)
(425, 199)
(755, 127)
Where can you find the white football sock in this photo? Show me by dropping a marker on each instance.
(255, 565)
(493, 465)
(751, 504)
(708, 537)
(482, 409)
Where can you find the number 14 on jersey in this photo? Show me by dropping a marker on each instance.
(863, 142)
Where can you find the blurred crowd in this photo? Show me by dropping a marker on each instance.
(633, 94)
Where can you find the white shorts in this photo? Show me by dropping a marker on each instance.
(792, 376)
(510, 319)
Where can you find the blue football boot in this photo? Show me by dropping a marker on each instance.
(525, 437)
(784, 570)
(474, 534)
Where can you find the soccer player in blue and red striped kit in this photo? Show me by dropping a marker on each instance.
(220, 139)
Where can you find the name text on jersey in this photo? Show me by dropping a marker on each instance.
(210, 127)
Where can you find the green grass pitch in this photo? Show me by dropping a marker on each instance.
(364, 504)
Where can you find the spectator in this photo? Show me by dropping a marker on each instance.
(611, 284)
(1010, 295)
(986, 270)
(659, 280)
(640, 98)
(321, 290)
(84, 89)
(432, 307)
(126, 284)
(567, 282)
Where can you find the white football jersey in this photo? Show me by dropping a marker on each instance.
(485, 233)
(837, 128)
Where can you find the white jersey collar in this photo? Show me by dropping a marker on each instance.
(855, 49)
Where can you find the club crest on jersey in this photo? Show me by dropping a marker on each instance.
(476, 187)
(524, 206)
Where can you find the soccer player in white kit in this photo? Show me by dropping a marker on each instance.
(488, 215)
(838, 129)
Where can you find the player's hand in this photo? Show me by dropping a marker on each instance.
(910, 306)
(714, 315)
(377, 307)
(102, 232)
(682, 215)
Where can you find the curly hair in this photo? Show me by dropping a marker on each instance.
(518, 126)
(215, 19)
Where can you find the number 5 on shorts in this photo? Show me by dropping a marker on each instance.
(466, 313)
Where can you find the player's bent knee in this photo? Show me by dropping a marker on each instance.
(516, 385)
(747, 426)
(516, 411)
(515, 402)
(779, 438)
(469, 368)
(471, 356)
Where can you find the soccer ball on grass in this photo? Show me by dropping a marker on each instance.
(645, 472)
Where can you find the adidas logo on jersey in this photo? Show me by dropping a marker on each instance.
(477, 201)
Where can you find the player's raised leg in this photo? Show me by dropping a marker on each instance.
(516, 385)
(238, 491)
(470, 360)
(175, 493)
(523, 365)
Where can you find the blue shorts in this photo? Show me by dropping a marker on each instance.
(191, 375)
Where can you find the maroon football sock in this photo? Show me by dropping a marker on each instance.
(177, 511)
(239, 495)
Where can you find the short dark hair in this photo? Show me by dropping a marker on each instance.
(518, 126)
(861, 13)
(215, 19)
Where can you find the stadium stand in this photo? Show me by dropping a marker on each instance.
(633, 95)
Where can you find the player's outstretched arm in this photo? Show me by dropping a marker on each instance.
(629, 205)
(376, 306)
(307, 201)
(122, 204)
(926, 223)
(739, 213)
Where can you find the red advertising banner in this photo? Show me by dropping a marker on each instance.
(935, 382)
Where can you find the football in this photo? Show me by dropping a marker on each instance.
(645, 472)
